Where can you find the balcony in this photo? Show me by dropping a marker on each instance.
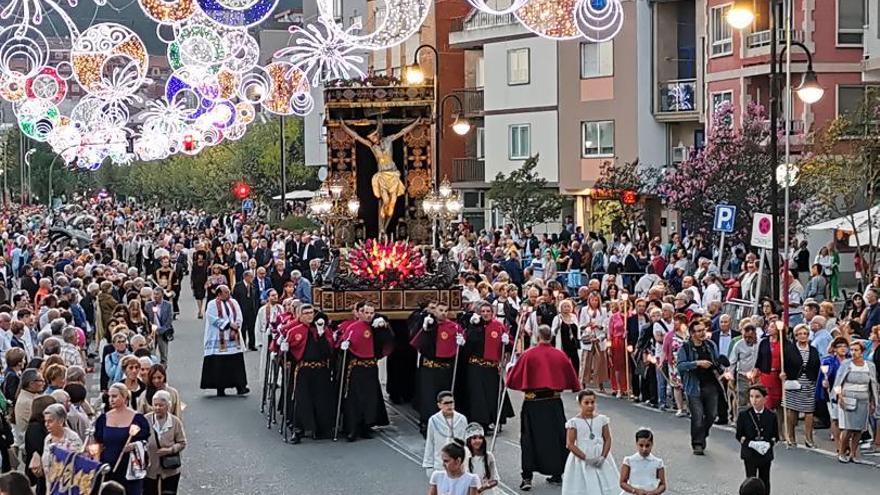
(477, 28)
(471, 101)
(795, 126)
(468, 170)
(758, 43)
(677, 100)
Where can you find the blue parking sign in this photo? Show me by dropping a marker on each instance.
(247, 205)
(725, 217)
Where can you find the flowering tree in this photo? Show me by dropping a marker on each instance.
(733, 168)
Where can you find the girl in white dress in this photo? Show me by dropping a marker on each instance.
(642, 473)
(481, 462)
(590, 469)
(454, 479)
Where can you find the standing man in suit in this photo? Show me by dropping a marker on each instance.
(313, 274)
(757, 432)
(247, 295)
(161, 315)
(306, 252)
(263, 283)
(723, 338)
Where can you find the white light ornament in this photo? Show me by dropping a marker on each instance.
(497, 7)
(37, 118)
(600, 20)
(237, 13)
(396, 21)
(22, 47)
(109, 60)
(551, 19)
(320, 52)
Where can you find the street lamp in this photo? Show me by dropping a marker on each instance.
(741, 16)
(442, 206)
(330, 207)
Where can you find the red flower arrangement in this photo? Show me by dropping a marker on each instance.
(386, 263)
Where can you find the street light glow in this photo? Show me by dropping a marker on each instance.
(415, 76)
(461, 126)
(741, 16)
(810, 91)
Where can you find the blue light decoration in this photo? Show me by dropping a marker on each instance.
(244, 16)
(598, 4)
(176, 85)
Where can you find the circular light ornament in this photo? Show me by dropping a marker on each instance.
(237, 13)
(551, 19)
(37, 118)
(243, 50)
(197, 45)
(235, 132)
(109, 60)
(492, 6)
(23, 50)
(46, 84)
(255, 86)
(227, 82)
(12, 87)
(151, 146)
(396, 21)
(600, 20)
(245, 113)
(287, 81)
(64, 140)
(168, 12)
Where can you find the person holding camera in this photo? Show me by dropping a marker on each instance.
(698, 366)
(223, 365)
(161, 316)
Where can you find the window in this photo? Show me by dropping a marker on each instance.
(518, 66)
(481, 142)
(721, 34)
(851, 99)
(473, 199)
(597, 59)
(850, 22)
(519, 142)
(720, 98)
(598, 138)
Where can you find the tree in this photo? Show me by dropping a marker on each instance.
(841, 175)
(734, 168)
(625, 179)
(523, 197)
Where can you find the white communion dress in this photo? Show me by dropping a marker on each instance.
(581, 477)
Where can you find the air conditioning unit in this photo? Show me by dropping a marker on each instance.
(679, 154)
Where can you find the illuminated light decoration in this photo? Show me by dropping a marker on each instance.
(302, 104)
(235, 132)
(483, 5)
(321, 53)
(177, 88)
(22, 48)
(386, 263)
(221, 115)
(287, 82)
(212, 136)
(255, 86)
(245, 113)
(37, 118)
(197, 46)
(552, 19)
(64, 140)
(168, 12)
(243, 49)
(241, 190)
(237, 13)
(151, 146)
(600, 20)
(227, 82)
(12, 88)
(396, 21)
(164, 117)
(46, 84)
(103, 43)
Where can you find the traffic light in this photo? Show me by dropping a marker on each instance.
(629, 197)
(241, 190)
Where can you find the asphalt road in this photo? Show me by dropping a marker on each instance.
(231, 451)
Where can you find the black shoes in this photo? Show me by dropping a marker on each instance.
(555, 480)
(221, 392)
(525, 485)
(296, 438)
(244, 391)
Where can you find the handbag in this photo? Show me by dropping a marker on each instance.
(170, 461)
(849, 403)
(791, 385)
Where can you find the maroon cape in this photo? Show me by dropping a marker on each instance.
(543, 367)
(297, 336)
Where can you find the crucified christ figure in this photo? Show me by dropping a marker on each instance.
(387, 186)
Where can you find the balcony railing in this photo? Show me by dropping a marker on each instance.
(481, 20)
(795, 126)
(679, 95)
(468, 170)
(471, 101)
(762, 38)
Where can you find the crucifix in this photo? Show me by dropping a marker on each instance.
(387, 186)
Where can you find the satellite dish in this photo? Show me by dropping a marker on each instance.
(322, 174)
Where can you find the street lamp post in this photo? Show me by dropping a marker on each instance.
(415, 75)
(741, 16)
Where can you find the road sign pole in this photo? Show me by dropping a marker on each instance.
(757, 295)
(721, 255)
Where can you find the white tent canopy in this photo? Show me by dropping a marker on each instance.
(297, 195)
(867, 225)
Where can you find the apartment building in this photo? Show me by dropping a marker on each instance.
(871, 64)
(738, 63)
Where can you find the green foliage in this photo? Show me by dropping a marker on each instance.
(202, 181)
(523, 197)
(614, 215)
(296, 223)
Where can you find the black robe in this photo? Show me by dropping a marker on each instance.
(313, 402)
(483, 383)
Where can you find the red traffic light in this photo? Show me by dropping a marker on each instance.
(241, 190)
(629, 197)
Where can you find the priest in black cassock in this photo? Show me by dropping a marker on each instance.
(223, 365)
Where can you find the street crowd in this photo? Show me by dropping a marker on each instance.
(89, 295)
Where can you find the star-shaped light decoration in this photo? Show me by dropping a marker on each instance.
(321, 53)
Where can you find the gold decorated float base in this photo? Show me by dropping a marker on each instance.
(393, 303)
